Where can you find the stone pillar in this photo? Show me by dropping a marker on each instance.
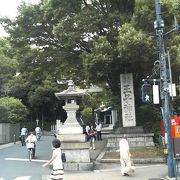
(127, 100)
(58, 124)
(114, 116)
(71, 129)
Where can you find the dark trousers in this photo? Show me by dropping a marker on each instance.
(99, 135)
(34, 150)
(23, 137)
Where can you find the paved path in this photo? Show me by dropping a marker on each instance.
(100, 145)
(150, 172)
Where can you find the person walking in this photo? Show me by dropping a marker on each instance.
(91, 135)
(98, 129)
(124, 156)
(57, 171)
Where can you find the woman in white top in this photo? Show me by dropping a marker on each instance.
(56, 159)
(124, 156)
(32, 140)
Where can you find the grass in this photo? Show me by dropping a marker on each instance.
(142, 152)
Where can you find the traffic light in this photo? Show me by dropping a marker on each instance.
(146, 93)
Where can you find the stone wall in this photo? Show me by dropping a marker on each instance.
(9, 132)
(135, 140)
(129, 130)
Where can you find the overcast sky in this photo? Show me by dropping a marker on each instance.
(9, 8)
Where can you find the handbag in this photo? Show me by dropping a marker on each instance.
(63, 157)
(131, 168)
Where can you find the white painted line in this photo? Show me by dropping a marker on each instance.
(1, 178)
(20, 159)
(23, 178)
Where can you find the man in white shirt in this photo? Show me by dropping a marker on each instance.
(124, 156)
(23, 131)
(98, 129)
(23, 135)
(87, 131)
(38, 130)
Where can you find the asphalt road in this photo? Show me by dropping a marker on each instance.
(14, 163)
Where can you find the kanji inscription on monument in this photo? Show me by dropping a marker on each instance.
(127, 100)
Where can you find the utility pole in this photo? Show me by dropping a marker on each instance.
(164, 89)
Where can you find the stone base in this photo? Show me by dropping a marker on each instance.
(129, 130)
(78, 166)
(71, 129)
(74, 145)
(135, 140)
(72, 137)
(76, 152)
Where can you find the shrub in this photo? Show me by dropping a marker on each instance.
(87, 115)
(149, 117)
(12, 110)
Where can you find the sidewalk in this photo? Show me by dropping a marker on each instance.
(2, 146)
(151, 172)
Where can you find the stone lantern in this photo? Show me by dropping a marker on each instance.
(71, 135)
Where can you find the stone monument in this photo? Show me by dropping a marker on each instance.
(127, 100)
(135, 134)
(71, 135)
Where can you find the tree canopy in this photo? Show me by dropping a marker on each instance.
(91, 40)
(12, 110)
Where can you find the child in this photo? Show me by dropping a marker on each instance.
(57, 171)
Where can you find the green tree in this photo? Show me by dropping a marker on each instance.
(12, 110)
(87, 115)
(91, 40)
(8, 65)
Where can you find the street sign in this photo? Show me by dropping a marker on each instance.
(155, 94)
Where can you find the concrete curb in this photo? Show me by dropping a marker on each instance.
(136, 161)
